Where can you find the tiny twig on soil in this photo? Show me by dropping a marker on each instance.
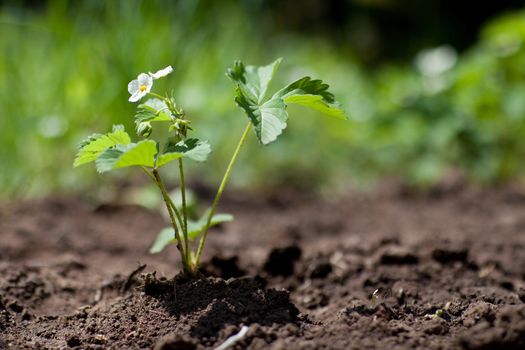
(131, 276)
(233, 339)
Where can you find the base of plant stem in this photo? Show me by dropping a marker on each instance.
(192, 272)
(190, 263)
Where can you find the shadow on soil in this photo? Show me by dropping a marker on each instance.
(214, 303)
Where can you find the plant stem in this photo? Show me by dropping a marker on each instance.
(184, 211)
(175, 210)
(168, 202)
(219, 194)
(162, 98)
(149, 174)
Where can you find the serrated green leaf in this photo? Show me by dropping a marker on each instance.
(117, 127)
(142, 116)
(152, 110)
(89, 139)
(254, 80)
(94, 145)
(195, 149)
(167, 236)
(311, 93)
(141, 153)
(190, 148)
(318, 103)
(167, 157)
(306, 85)
(269, 119)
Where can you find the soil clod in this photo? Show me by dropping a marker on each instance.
(450, 255)
(224, 267)
(394, 255)
(281, 261)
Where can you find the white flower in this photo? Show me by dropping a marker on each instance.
(139, 87)
(161, 73)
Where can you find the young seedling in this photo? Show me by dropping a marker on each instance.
(268, 117)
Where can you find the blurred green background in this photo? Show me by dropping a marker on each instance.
(431, 88)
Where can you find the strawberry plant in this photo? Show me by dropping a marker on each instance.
(267, 116)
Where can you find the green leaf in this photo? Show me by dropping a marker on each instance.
(269, 118)
(167, 236)
(194, 149)
(196, 227)
(168, 157)
(153, 110)
(191, 148)
(89, 139)
(254, 80)
(313, 94)
(141, 153)
(94, 145)
(164, 238)
(191, 200)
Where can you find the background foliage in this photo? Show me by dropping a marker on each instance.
(420, 105)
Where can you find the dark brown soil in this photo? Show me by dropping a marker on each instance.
(377, 271)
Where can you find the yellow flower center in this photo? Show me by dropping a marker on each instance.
(142, 88)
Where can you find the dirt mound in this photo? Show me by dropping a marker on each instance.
(158, 311)
(209, 304)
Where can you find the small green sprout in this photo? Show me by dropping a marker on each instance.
(374, 298)
(268, 117)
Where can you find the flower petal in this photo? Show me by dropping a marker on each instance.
(145, 79)
(137, 96)
(133, 86)
(161, 73)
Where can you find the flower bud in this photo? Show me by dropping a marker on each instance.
(144, 129)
